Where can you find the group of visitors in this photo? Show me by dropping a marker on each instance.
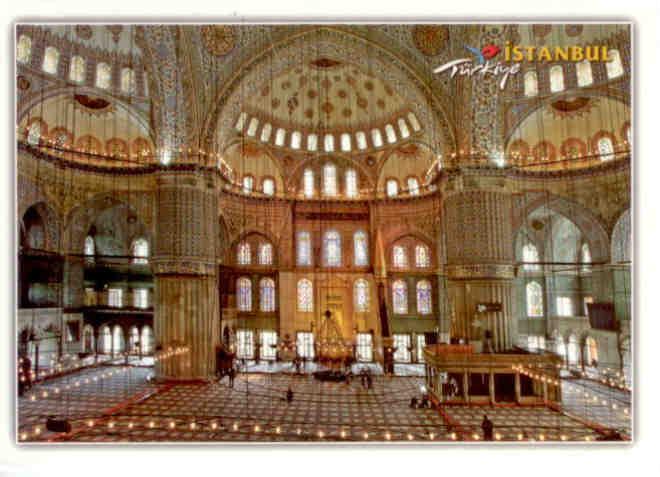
(423, 403)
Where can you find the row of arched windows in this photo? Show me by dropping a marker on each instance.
(584, 74)
(330, 182)
(400, 256)
(264, 254)
(530, 257)
(139, 250)
(400, 297)
(266, 294)
(332, 249)
(305, 295)
(392, 186)
(77, 67)
(346, 142)
(267, 185)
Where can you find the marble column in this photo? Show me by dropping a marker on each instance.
(479, 257)
(186, 310)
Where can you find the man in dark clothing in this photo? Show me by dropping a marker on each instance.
(413, 402)
(232, 375)
(487, 427)
(289, 395)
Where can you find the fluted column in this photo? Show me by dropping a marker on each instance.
(186, 309)
(479, 258)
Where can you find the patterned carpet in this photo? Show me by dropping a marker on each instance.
(125, 407)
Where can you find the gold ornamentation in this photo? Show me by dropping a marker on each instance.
(430, 39)
(219, 40)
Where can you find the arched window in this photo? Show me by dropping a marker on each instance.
(530, 255)
(127, 81)
(585, 257)
(403, 128)
(361, 139)
(413, 186)
(390, 133)
(345, 142)
(391, 187)
(534, 294)
(268, 186)
(304, 249)
(329, 143)
(103, 75)
(361, 295)
(330, 180)
(23, 49)
(51, 60)
(296, 139)
(248, 184)
(376, 137)
(399, 256)
(614, 66)
(244, 254)
(422, 258)
(115, 297)
(265, 254)
(332, 248)
(360, 249)
(312, 142)
(252, 127)
(605, 149)
(267, 294)
(556, 79)
(77, 69)
(351, 183)
(90, 249)
(266, 132)
(34, 133)
(140, 297)
(564, 306)
(400, 297)
(140, 251)
(424, 297)
(413, 121)
(280, 135)
(531, 84)
(584, 76)
(308, 183)
(305, 295)
(244, 294)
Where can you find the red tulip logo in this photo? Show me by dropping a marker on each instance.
(490, 51)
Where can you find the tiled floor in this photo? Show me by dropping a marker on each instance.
(125, 407)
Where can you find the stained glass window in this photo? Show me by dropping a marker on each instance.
(556, 79)
(365, 348)
(248, 184)
(305, 295)
(305, 344)
(361, 291)
(77, 69)
(51, 60)
(329, 180)
(531, 84)
(245, 344)
(115, 296)
(534, 294)
(399, 256)
(90, 249)
(268, 345)
(103, 75)
(402, 345)
(140, 298)
(268, 186)
(24, 49)
(605, 149)
(308, 183)
(530, 255)
(127, 80)
(304, 249)
(413, 186)
(140, 251)
(391, 187)
(424, 297)
(244, 255)
(351, 183)
(267, 294)
(422, 259)
(400, 297)
(265, 254)
(360, 246)
(421, 343)
(244, 292)
(34, 133)
(584, 75)
(332, 248)
(614, 66)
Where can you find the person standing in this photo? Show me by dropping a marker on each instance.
(289, 395)
(487, 427)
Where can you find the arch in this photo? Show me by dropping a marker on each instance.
(590, 225)
(267, 294)
(40, 223)
(621, 250)
(105, 340)
(88, 344)
(147, 340)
